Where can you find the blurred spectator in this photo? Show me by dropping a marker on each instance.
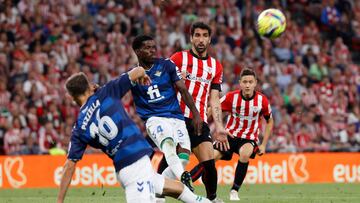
(310, 74)
(303, 139)
(177, 35)
(48, 137)
(4, 96)
(14, 138)
(330, 15)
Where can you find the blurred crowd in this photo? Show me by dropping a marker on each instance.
(309, 73)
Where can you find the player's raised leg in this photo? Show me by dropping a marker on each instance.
(161, 132)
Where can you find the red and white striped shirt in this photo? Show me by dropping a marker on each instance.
(72, 49)
(200, 75)
(13, 140)
(244, 120)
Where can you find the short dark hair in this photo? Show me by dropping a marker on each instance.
(247, 71)
(77, 84)
(138, 41)
(200, 25)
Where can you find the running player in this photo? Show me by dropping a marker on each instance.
(245, 107)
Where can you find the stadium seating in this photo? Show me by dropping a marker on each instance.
(310, 74)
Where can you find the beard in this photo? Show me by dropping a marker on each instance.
(201, 49)
(150, 60)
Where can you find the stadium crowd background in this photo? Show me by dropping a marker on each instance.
(310, 74)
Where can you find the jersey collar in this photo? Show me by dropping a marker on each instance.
(247, 99)
(199, 57)
(154, 64)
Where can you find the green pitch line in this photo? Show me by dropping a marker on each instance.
(313, 193)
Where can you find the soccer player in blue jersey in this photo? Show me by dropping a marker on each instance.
(103, 124)
(158, 106)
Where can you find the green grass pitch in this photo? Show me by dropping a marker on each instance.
(249, 193)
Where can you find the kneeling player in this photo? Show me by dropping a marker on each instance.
(245, 107)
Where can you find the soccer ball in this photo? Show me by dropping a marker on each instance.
(271, 23)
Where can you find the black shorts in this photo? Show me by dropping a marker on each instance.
(235, 145)
(195, 139)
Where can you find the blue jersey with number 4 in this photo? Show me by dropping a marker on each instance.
(103, 124)
(159, 98)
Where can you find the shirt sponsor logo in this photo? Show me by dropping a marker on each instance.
(195, 78)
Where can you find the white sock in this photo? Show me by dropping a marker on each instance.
(169, 149)
(184, 158)
(159, 182)
(168, 173)
(188, 196)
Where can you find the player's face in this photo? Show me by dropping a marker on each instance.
(200, 40)
(247, 85)
(147, 52)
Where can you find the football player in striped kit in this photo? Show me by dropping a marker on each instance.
(203, 77)
(245, 107)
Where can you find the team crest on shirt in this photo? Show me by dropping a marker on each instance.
(158, 73)
(255, 109)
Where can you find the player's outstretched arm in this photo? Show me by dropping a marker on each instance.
(68, 172)
(268, 129)
(190, 103)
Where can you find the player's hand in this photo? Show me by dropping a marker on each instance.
(261, 150)
(197, 122)
(222, 146)
(183, 74)
(221, 141)
(145, 80)
(95, 86)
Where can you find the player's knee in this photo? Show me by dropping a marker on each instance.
(168, 146)
(204, 151)
(245, 154)
(244, 157)
(169, 149)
